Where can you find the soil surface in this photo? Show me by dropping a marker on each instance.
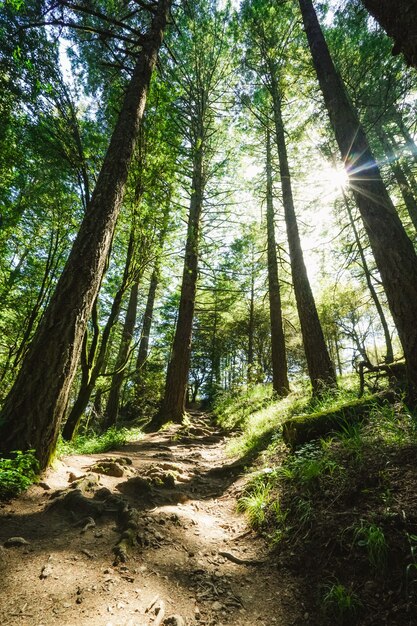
(146, 535)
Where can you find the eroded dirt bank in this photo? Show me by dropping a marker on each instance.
(157, 542)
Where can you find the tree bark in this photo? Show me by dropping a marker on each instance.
(399, 20)
(146, 328)
(279, 357)
(173, 404)
(34, 408)
(393, 251)
(112, 407)
(93, 360)
(320, 367)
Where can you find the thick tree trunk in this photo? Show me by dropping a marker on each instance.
(93, 363)
(112, 407)
(320, 367)
(393, 251)
(33, 410)
(399, 20)
(173, 404)
(279, 357)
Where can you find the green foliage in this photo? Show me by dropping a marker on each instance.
(112, 439)
(309, 464)
(411, 569)
(17, 473)
(372, 538)
(340, 603)
(233, 408)
(254, 504)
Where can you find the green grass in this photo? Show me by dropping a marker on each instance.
(112, 439)
(371, 537)
(340, 603)
(17, 473)
(254, 504)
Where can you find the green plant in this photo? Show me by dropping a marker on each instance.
(304, 510)
(94, 444)
(352, 440)
(412, 566)
(340, 603)
(310, 463)
(372, 538)
(254, 503)
(17, 473)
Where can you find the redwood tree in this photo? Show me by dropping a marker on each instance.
(393, 251)
(399, 20)
(33, 410)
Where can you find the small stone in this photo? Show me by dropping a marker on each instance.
(174, 620)
(45, 572)
(44, 486)
(306, 615)
(15, 542)
(217, 606)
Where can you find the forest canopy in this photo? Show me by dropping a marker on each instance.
(197, 197)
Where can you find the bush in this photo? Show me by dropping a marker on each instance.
(17, 473)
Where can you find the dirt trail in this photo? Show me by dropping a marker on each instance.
(193, 559)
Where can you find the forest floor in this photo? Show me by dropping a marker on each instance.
(68, 558)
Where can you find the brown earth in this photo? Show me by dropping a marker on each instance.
(159, 538)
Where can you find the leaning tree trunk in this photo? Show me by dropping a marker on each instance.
(399, 20)
(279, 357)
(393, 251)
(93, 360)
(33, 410)
(146, 330)
(112, 407)
(319, 364)
(173, 404)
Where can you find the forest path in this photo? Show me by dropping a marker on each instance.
(193, 556)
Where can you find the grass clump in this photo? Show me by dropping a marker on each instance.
(254, 504)
(112, 439)
(340, 603)
(372, 538)
(17, 473)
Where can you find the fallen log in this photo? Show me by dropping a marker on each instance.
(304, 428)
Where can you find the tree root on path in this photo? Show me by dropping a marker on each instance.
(239, 561)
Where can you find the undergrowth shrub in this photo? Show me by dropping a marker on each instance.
(17, 473)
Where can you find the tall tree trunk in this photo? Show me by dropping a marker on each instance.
(401, 180)
(389, 356)
(320, 367)
(399, 20)
(251, 324)
(93, 360)
(146, 328)
(34, 408)
(393, 251)
(173, 404)
(279, 357)
(112, 407)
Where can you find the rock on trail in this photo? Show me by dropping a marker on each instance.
(145, 536)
